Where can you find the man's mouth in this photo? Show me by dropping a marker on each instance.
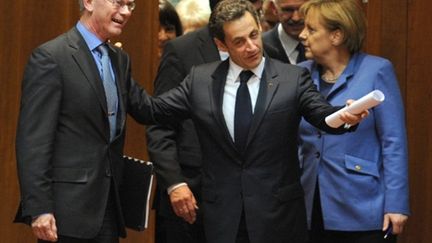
(253, 56)
(118, 21)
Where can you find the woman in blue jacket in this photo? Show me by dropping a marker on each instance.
(356, 184)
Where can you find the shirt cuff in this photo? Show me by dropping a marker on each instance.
(175, 186)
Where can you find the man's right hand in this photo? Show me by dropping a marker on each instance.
(184, 204)
(44, 227)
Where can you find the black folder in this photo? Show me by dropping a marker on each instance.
(135, 192)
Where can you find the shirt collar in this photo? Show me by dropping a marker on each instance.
(91, 39)
(288, 43)
(235, 69)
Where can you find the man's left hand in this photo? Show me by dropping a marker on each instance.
(183, 203)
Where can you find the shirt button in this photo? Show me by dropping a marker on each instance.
(317, 154)
(319, 134)
(357, 167)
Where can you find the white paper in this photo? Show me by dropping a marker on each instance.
(368, 101)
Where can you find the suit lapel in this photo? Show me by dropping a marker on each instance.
(268, 87)
(85, 61)
(345, 76)
(278, 45)
(216, 90)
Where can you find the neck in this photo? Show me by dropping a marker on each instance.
(334, 65)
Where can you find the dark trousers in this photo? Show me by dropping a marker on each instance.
(108, 232)
(318, 234)
(242, 233)
(176, 230)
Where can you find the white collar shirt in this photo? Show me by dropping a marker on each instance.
(230, 91)
(289, 44)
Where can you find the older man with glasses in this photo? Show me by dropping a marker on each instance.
(76, 92)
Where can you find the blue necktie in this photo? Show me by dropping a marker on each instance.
(243, 112)
(110, 90)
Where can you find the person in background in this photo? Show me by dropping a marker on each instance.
(258, 4)
(76, 93)
(175, 149)
(356, 185)
(169, 24)
(282, 41)
(194, 14)
(268, 18)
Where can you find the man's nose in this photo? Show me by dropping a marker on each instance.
(296, 16)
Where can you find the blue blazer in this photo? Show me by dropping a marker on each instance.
(362, 175)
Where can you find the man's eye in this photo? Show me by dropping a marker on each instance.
(237, 42)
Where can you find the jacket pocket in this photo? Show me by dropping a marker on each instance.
(361, 166)
(70, 175)
(290, 192)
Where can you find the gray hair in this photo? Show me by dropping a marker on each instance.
(81, 5)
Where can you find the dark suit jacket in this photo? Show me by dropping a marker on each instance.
(265, 184)
(273, 45)
(175, 149)
(65, 158)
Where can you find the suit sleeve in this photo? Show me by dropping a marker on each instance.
(390, 125)
(161, 139)
(37, 123)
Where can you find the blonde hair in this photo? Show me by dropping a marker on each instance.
(344, 15)
(193, 14)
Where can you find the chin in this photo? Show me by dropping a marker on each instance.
(115, 31)
(252, 65)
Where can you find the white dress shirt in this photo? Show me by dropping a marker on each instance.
(230, 91)
(229, 98)
(289, 44)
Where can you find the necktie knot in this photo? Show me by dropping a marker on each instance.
(103, 50)
(245, 75)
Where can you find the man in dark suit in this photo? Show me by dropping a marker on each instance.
(71, 129)
(251, 188)
(175, 150)
(282, 41)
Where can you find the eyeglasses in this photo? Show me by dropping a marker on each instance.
(120, 4)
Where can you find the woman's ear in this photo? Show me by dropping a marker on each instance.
(337, 37)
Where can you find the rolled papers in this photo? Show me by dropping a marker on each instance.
(368, 101)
